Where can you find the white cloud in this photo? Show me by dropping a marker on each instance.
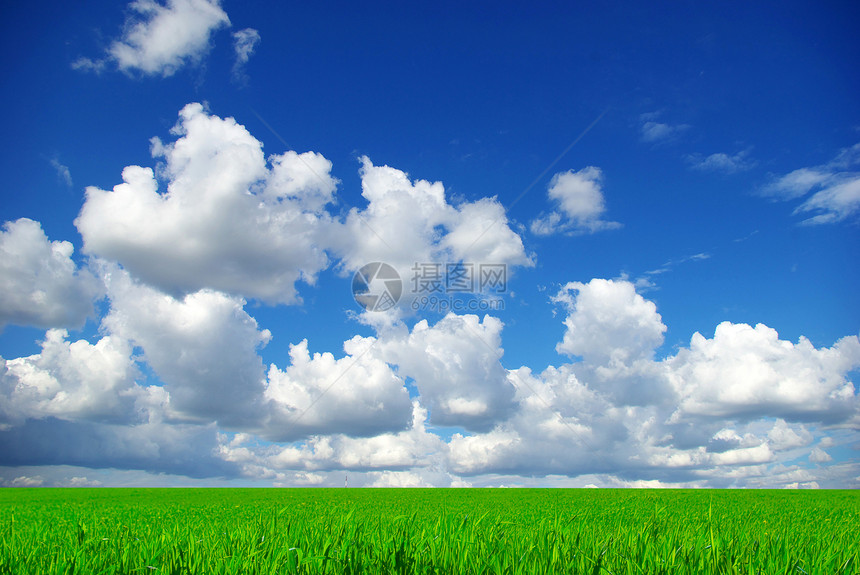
(84, 482)
(784, 436)
(40, 284)
(159, 39)
(818, 455)
(721, 162)
(244, 43)
(412, 447)
(203, 346)
(748, 373)
(63, 172)
(579, 197)
(408, 222)
(652, 131)
(358, 395)
(619, 411)
(834, 203)
(70, 380)
(226, 221)
(232, 222)
(24, 481)
(456, 367)
(398, 479)
(806, 485)
(836, 187)
(609, 323)
(795, 184)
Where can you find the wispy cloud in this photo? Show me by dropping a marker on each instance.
(721, 162)
(646, 282)
(244, 43)
(652, 131)
(835, 188)
(63, 172)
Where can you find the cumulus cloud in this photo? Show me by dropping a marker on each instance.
(580, 204)
(413, 447)
(621, 416)
(408, 222)
(621, 413)
(160, 39)
(233, 221)
(175, 382)
(358, 395)
(203, 347)
(609, 323)
(784, 436)
(456, 366)
(836, 187)
(818, 455)
(24, 481)
(84, 482)
(40, 284)
(226, 221)
(747, 372)
(70, 380)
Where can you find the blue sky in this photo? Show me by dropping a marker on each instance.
(673, 191)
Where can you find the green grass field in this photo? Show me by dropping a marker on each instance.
(106, 531)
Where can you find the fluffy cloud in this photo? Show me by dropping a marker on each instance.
(554, 409)
(226, 221)
(411, 447)
(176, 382)
(159, 39)
(701, 417)
(358, 395)
(746, 373)
(818, 455)
(40, 284)
(231, 221)
(408, 222)
(580, 202)
(203, 346)
(836, 187)
(622, 413)
(784, 436)
(456, 366)
(609, 323)
(70, 380)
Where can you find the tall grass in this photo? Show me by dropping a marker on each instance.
(225, 531)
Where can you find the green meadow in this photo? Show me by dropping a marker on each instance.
(212, 531)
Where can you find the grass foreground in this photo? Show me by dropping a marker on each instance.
(251, 531)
